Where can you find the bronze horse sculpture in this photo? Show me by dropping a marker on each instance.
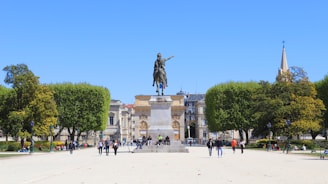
(159, 75)
(159, 81)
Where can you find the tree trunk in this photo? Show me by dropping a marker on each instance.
(59, 132)
(241, 135)
(246, 133)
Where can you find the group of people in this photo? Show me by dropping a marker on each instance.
(218, 144)
(148, 141)
(143, 141)
(161, 141)
(71, 145)
(106, 145)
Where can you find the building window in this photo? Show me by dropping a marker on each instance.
(111, 120)
(204, 134)
(203, 122)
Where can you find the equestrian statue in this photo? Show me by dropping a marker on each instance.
(159, 75)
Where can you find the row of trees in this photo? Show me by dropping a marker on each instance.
(251, 105)
(29, 106)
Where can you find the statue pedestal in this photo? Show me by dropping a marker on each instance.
(160, 117)
(160, 124)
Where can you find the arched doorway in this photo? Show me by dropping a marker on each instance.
(176, 129)
(143, 129)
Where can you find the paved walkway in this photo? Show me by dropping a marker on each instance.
(85, 166)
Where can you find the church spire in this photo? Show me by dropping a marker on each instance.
(283, 66)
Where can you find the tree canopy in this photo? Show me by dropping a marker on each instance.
(27, 101)
(251, 105)
(77, 107)
(81, 107)
(228, 106)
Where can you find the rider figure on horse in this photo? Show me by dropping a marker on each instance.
(159, 66)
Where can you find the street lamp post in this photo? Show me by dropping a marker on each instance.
(95, 137)
(288, 123)
(189, 124)
(51, 137)
(78, 138)
(269, 144)
(32, 141)
(188, 131)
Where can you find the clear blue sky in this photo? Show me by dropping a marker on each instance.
(114, 43)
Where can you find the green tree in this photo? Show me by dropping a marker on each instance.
(82, 107)
(301, 105)
(43, 110)
(7, 101)
(322, 89)
(265, 109)
(229, 107)
(294, 99)
(30, 101)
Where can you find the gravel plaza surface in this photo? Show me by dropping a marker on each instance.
(86, 166)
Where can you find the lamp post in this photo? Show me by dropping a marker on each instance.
(78, 138)
(188, 131)
(51, 137)
(32, 141)
(95, 137)
(288, 123)
(189, 124)
(269, 144)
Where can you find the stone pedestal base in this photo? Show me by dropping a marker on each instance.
(160, 117)
(160, 124)
(174, 147)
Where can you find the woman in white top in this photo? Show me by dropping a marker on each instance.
(100, 146)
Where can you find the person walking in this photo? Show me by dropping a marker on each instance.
(107, 146)
(70, 147)
(242, 146)
(100, 147)
(66, 145)
(115, 147)
(233, 145)
(219, 145)
(210, 145)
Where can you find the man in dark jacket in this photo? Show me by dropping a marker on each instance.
(210, 145)
(219, 145)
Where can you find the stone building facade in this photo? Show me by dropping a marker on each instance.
(142, 116)
(120, 119)
(195, 121)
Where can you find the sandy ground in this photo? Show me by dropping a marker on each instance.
(86, 166)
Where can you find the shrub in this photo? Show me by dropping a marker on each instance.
(261, 143)
(309, 144)
(322, 144)
(58, 143)
(13, 146)
(3, 147)
(254, 145)
(38, 145)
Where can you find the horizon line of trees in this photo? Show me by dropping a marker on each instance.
(30, 107)
(229, 106)
(252, 105)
